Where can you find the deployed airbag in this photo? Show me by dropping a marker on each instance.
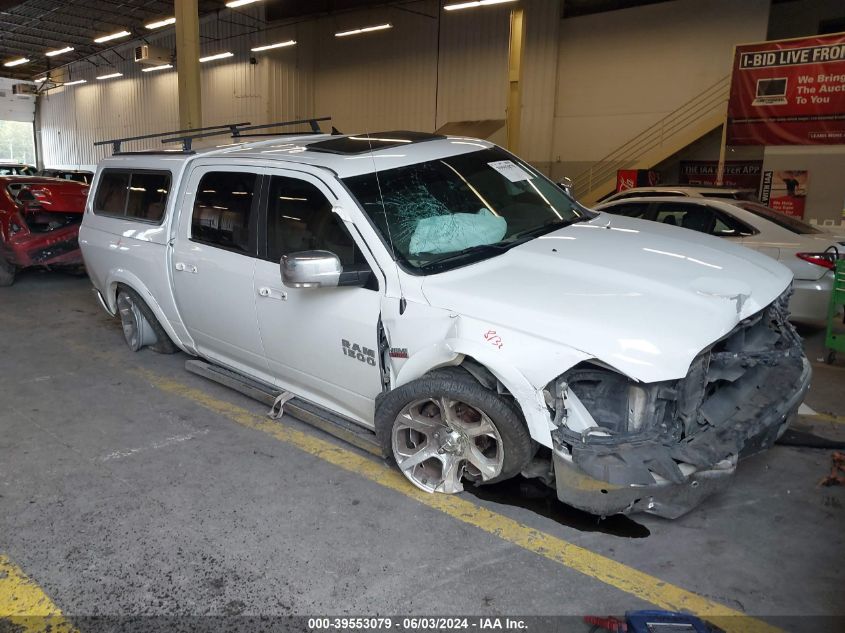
(456, 231)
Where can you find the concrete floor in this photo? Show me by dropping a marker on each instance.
(120, 498)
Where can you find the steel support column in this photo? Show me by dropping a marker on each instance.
(187, 63)
(515, 54)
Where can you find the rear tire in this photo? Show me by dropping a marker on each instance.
(140, 326)
(446, 427)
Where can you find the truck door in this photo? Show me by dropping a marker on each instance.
(213, 263)
(320, 343)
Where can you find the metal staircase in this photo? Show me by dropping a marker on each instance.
(695, 118)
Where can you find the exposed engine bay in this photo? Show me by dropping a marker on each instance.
(736, 400)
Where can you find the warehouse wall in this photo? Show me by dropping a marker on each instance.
(589, 82)
(622, 71)
(351, 79)
(379, 81)
(73, 118)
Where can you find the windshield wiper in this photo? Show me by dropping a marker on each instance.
(523, 236)
(500, 247)
(467, 253)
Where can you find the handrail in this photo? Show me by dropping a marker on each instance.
(655, 135)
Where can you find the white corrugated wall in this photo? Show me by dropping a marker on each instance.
(381, 80)
(394, 79)
(588, 83)
(473, 78)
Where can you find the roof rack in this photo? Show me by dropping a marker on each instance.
(116, 142)
(237, 131)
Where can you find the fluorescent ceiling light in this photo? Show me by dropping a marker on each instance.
(211, 58)
(150, 69)
(472, 5)
(16, 62)
(110, 76)
(366, 29)
(239, 3)
(160, 23)
(59, 51)
(40, 80)
(276, 45)
(73, 83)
(113, 36)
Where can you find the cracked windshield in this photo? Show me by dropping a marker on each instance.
(452, 211)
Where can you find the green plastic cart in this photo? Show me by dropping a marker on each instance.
(835, 338)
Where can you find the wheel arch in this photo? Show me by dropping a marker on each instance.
(456, 352)
(123, 277)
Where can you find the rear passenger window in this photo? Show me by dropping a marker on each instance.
(223, 210)
(139, 195)
(111, 193)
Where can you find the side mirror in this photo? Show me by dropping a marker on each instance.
(311, 269)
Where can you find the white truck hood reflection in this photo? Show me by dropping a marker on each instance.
(642, 297)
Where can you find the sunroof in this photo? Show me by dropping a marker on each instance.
(361, 143)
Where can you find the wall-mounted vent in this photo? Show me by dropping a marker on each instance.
(24, 90)
(146, 54)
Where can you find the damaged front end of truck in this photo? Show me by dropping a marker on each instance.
(621, 446)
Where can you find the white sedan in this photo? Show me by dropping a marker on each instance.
(807, 251)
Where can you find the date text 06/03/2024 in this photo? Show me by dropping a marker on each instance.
(416, 624)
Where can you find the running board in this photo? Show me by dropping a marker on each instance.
(318, 417)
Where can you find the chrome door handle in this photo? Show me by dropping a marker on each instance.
(186, 268)
(269, 293)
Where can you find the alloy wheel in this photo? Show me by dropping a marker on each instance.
(438, 442)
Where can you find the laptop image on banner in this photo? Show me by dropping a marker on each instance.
(771, 91)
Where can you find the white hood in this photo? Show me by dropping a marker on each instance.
(661, 294)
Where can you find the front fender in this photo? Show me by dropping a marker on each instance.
(523, 364)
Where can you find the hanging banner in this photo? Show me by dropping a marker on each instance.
(741, 174)
(785, 191)
(788, 92)
(630, 178)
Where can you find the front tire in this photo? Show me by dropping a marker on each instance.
(446, 428)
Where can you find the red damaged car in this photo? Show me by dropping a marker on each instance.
(39, 224)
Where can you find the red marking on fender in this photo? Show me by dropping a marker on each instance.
(494, 339)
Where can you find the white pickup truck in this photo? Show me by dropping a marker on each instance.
(444, 297)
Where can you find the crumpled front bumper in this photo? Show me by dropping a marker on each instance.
(55, 248)
(664, 498)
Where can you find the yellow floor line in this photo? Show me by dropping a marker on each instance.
(636, 583)
(25, 605)
(824, 417)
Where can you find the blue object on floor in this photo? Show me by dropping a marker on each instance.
(649, 621)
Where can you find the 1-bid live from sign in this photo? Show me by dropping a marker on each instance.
(788, 92)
